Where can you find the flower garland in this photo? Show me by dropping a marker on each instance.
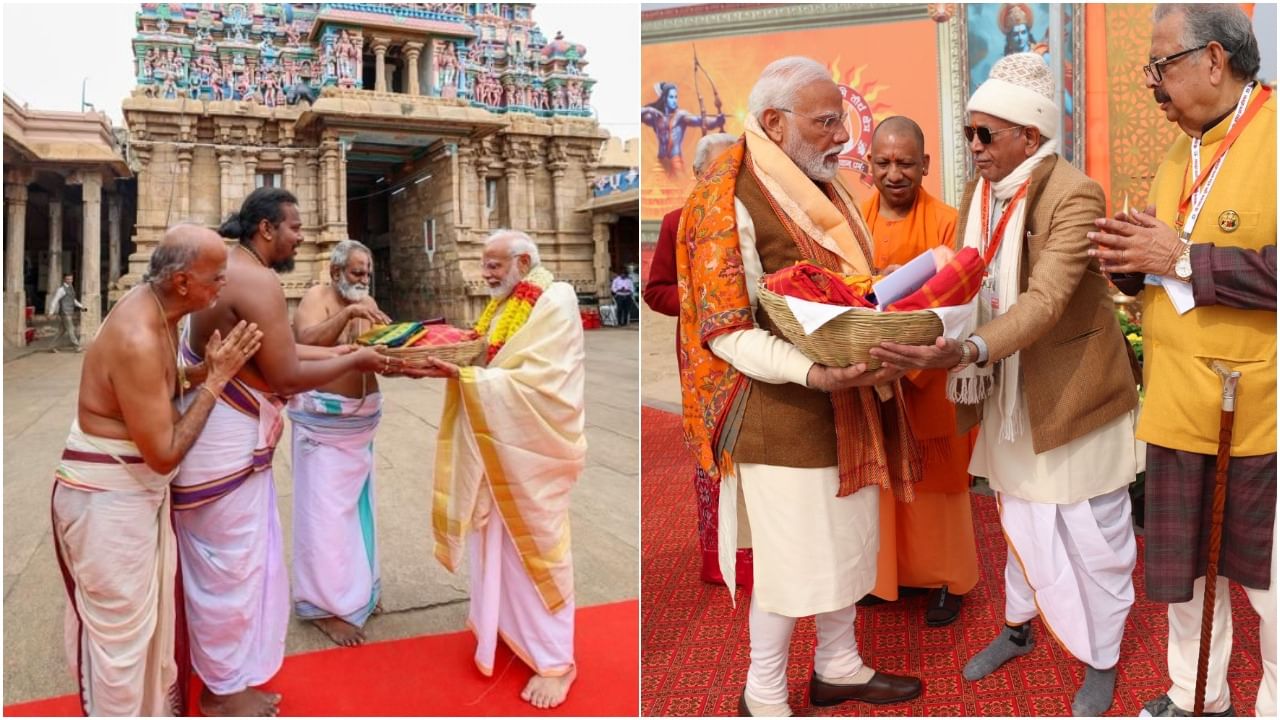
(518, 305)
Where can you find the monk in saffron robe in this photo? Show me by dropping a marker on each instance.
(927, 543)
(511, 447)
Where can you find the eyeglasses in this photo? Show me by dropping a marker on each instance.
(985, 133)
(1152, 69)
(828, 122)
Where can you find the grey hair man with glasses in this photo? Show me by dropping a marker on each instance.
(811, 446)
(1203, 255)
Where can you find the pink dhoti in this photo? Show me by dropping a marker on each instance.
(231, 545)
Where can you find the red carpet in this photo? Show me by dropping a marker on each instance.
(435, 675)
(695, 642)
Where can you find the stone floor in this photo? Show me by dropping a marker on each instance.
(419, 595)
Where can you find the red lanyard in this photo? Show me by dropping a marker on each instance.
(997, 235)
(1264, 92)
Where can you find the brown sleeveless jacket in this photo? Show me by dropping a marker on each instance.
(787, 425)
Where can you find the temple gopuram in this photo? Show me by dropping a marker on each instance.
(417, 129)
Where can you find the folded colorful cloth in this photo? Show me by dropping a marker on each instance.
(808, 281)
(437, 335)
(393, 335)
(955, 284)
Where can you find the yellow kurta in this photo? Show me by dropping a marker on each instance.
(929, 541)
(1184, 395)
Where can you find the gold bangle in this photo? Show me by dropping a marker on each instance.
(212, 394)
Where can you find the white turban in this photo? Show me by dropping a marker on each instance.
(1020, 89)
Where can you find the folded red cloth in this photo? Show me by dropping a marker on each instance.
(807, 281)
(444, 335)
(955, 284)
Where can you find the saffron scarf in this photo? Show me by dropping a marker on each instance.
(875, 445)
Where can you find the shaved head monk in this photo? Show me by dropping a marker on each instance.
(111, 496)
(234, 580)
(927, 543)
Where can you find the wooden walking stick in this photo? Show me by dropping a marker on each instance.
(1230, 379)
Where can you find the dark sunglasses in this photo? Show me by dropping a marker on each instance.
(985, 133)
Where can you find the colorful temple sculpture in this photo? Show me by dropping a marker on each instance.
(417, 129)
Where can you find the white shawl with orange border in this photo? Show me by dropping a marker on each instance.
(519, 424)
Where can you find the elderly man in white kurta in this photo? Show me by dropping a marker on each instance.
(1052, 384)
(812, 446)
(510, 448)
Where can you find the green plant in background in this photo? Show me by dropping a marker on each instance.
(1132, 329)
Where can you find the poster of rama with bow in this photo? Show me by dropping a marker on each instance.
(698, 83)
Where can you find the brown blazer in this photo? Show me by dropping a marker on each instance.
(1075, 364)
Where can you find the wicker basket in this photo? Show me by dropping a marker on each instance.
(846, 339)
(461, 354)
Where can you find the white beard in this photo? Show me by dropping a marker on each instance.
(811, 161)
(352, 292)
(509, 283)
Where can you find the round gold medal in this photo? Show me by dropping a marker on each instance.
(1229, 220)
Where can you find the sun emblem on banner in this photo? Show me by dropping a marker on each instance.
(860, 102)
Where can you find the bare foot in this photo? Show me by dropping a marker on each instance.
(378, 609)
(246, 703)
(548, 692)
(340, 631)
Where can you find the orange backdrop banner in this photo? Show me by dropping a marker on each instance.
(883, 69)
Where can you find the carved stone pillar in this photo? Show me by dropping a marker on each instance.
(224, 181)
(250, 170)
(317, 186)
(466, 188)
(600, 223)
(330, 171)
(184, 183)
(55, 243)
(380, 45)
(482, 202)
(340, 184)
(289, 159)
(514, 209)
(91, 265)
(113, 238)
(557, 202)
(15, 292)
(531, 195)
(412, 51)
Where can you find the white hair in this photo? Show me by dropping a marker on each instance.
(342, 253)
(781, 81)
(709, 148)
(520, 244)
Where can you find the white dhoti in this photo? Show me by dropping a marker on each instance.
(335, 551)
(116, 549)
(1184, 646)
(232, 547)
(1067, 520)
(506, 605)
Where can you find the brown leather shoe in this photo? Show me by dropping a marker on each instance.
(881, 689)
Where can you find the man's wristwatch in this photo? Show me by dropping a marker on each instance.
(1182, 268)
